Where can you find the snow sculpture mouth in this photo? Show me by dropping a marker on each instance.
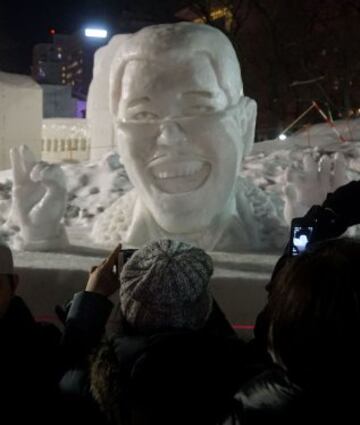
(179, 176)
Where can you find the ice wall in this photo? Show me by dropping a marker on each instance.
(20, 115)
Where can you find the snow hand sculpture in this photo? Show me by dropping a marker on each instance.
(308, 187)
(38, 201)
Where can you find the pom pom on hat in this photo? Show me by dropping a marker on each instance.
(164, 285)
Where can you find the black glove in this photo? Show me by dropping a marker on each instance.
(345, 203)
(327, 224)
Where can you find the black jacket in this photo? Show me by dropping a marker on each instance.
(177, 377)
(28, 366)
(329, 395)
(272, 398)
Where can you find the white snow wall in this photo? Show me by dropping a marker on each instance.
(20, 115)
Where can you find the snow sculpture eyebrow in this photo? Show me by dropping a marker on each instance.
(202, 93)
(138, 101)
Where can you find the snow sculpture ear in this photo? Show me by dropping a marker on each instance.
(248, 110)
(115, 92)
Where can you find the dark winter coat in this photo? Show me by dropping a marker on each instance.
(175, 377)
(273, 398)
(326, 394)
(28, 366)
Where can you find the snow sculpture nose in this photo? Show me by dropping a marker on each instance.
(171, 134)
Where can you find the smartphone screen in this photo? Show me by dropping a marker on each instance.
(301, 236)
(126, 254)
(123, 257)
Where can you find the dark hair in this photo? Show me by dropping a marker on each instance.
(314, 309)
(9, 277)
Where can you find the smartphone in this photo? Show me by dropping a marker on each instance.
(127, 253)
(301, 235)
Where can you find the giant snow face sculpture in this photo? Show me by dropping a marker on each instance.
(183, 126)
(178, 138)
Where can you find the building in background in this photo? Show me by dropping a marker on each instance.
(219, 15)
(68, 62)
(58, 102)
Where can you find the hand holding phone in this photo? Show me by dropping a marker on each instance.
(103, 279)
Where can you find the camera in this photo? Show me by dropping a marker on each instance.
(301, 235)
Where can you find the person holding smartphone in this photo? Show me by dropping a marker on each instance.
(310, 325)
(174, 358)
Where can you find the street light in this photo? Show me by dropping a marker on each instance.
(96, 33)
(282, 136)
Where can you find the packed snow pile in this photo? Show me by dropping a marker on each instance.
(269, 162)
(94, 186)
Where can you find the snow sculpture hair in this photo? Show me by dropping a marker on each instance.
(154, 42)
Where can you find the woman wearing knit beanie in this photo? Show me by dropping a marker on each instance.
(174, 358)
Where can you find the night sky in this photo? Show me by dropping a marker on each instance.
(33, 19)
(24, 24)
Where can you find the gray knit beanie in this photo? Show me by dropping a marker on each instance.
(165, 285)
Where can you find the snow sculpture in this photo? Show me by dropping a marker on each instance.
(183, 126)
(38, 201)
(309, 186)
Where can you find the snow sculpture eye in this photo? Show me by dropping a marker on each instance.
(201, 109)
(144, 116)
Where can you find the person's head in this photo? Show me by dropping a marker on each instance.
(164, 286)
(183, 123)
(8, 279)
(314, 309)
